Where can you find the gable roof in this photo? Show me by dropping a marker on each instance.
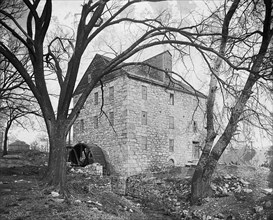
(137, 72)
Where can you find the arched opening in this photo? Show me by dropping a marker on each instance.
(171, 162)
(84, 154)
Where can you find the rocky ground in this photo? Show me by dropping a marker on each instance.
(240, 192)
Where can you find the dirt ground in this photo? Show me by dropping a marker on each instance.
(24, 196)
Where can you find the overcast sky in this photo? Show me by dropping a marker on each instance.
(63, 13)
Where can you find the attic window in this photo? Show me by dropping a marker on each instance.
(171, 101)
(194, 127)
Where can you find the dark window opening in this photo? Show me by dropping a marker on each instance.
(96, 98)
(111, 118)
(96, 122)
(171, 101)
(194, 127)
(82, 125)
(144, 118)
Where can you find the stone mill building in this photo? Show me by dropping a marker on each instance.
(149, 119)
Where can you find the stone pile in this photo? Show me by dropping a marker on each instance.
(91, 169)
(229, 184)
(172, 196)
(165, 194)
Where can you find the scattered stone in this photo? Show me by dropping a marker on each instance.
(245, 183)
(268, 191)
(55, 194)
(58, 200)
(94, 202)
(227, 176)
(247, 190)
(224, 191)
(258, 209)
(185, 213)
(77, 201)
(213, 187)
(220, 216)
(268, 204)
(238, 189)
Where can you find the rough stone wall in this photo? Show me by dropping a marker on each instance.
(157, 129)
(123, 146)
(111, 139)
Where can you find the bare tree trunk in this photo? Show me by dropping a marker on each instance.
(5, 145)
(203, 174)
(211, 154)
(56, 172)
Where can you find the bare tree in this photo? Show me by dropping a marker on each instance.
(17, 113)
(63, 56)
(95, 18)
(245, 48)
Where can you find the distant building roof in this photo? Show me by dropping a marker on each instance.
(143, 73)
(18, 142)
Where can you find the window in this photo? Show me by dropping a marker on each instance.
(171, 101)
(111, 93)
(171, 145)
(171, 122)
(111, 118)
(196, 148)
(96, 98)
(96, 122)
(82, 125)
(144, 92)
(194, 126)
(144, 118)
(144, 142)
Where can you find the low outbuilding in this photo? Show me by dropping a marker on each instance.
(18, 146)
